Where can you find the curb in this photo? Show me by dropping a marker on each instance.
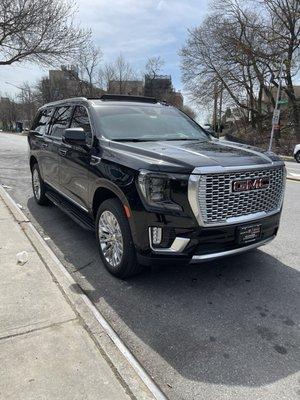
(287, 158)
(131, 374)
(292, 179)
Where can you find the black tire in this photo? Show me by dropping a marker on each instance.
(41, 198)
(297, 157)
(128, 265)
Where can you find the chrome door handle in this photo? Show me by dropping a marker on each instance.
(62, 152)
(95, 160)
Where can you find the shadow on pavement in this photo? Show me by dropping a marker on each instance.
(229, 322)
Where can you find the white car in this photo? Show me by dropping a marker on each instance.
(297, 153)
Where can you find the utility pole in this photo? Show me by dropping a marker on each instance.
(215, 107)
(220, 111)
(276, 113)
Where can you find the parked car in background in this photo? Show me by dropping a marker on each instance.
(297, 153)
(152, 183)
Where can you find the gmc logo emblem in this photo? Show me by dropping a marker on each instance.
(244, 185)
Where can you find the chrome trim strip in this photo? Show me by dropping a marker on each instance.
(193, 197)
(67, 197)
(95, 160)
(238, 168)
(213, 256)
(178, 245)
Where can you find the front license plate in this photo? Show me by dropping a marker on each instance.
(249, 233)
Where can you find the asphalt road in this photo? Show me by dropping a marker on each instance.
(221, 330)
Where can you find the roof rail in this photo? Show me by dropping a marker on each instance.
(124, 97)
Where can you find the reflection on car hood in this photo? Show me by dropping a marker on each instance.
(184, 156)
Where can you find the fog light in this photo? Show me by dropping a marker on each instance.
(156, 235)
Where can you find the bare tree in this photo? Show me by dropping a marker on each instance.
(115, 75)
(28, 104)
(59, 85)
(124, 72)
(8, 113)
(284, 22)
(154, 66)
(106, 75)
(239, 47)
(217, 55)
(39, 31)
(88, 62)
(43, 91)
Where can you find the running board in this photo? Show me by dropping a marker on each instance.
(82, 218)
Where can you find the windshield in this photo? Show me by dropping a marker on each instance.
(144, 122)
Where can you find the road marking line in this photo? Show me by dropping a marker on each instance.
(141, 372)
(293, 174)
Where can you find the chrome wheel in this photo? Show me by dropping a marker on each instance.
(111, 239)
(36, 183)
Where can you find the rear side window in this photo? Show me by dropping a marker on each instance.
(60, 121)
(42, 121)
(81, 119)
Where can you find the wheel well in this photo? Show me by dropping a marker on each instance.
(33, 161)
(101, 195)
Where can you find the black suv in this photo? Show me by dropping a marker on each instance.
(152, 183)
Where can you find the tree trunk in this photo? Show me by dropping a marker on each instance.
(259, 116)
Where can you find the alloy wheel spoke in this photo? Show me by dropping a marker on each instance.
(111, 239)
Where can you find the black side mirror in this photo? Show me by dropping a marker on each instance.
(74, 136)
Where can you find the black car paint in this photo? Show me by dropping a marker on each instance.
(117, 170)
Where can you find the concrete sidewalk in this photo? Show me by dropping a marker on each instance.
(46, 349)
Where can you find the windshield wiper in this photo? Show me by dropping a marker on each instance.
(179, 139)
(152, 140)
(132, 140)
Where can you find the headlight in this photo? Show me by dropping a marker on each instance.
(156, 190)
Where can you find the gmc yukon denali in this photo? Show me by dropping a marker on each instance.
(151, 183)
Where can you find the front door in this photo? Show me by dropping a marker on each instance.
(74, 162)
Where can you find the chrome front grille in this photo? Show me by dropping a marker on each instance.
(217, 204)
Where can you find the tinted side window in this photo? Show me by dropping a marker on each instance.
(60, 121)
(42, 121)
(81, 120)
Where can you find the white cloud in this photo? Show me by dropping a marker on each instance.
(140, 29)
(136, 28)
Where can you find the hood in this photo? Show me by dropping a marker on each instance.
(183, 156)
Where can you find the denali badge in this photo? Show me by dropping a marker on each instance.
(244, 185)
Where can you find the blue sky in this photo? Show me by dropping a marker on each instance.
(136, 28)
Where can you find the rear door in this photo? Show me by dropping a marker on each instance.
(75, 160)
(59, 122)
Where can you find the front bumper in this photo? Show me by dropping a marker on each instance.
(205, 244)
(221, 254)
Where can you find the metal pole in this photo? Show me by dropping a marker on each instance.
(276, 112)
(215, 108)
(220, 111)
